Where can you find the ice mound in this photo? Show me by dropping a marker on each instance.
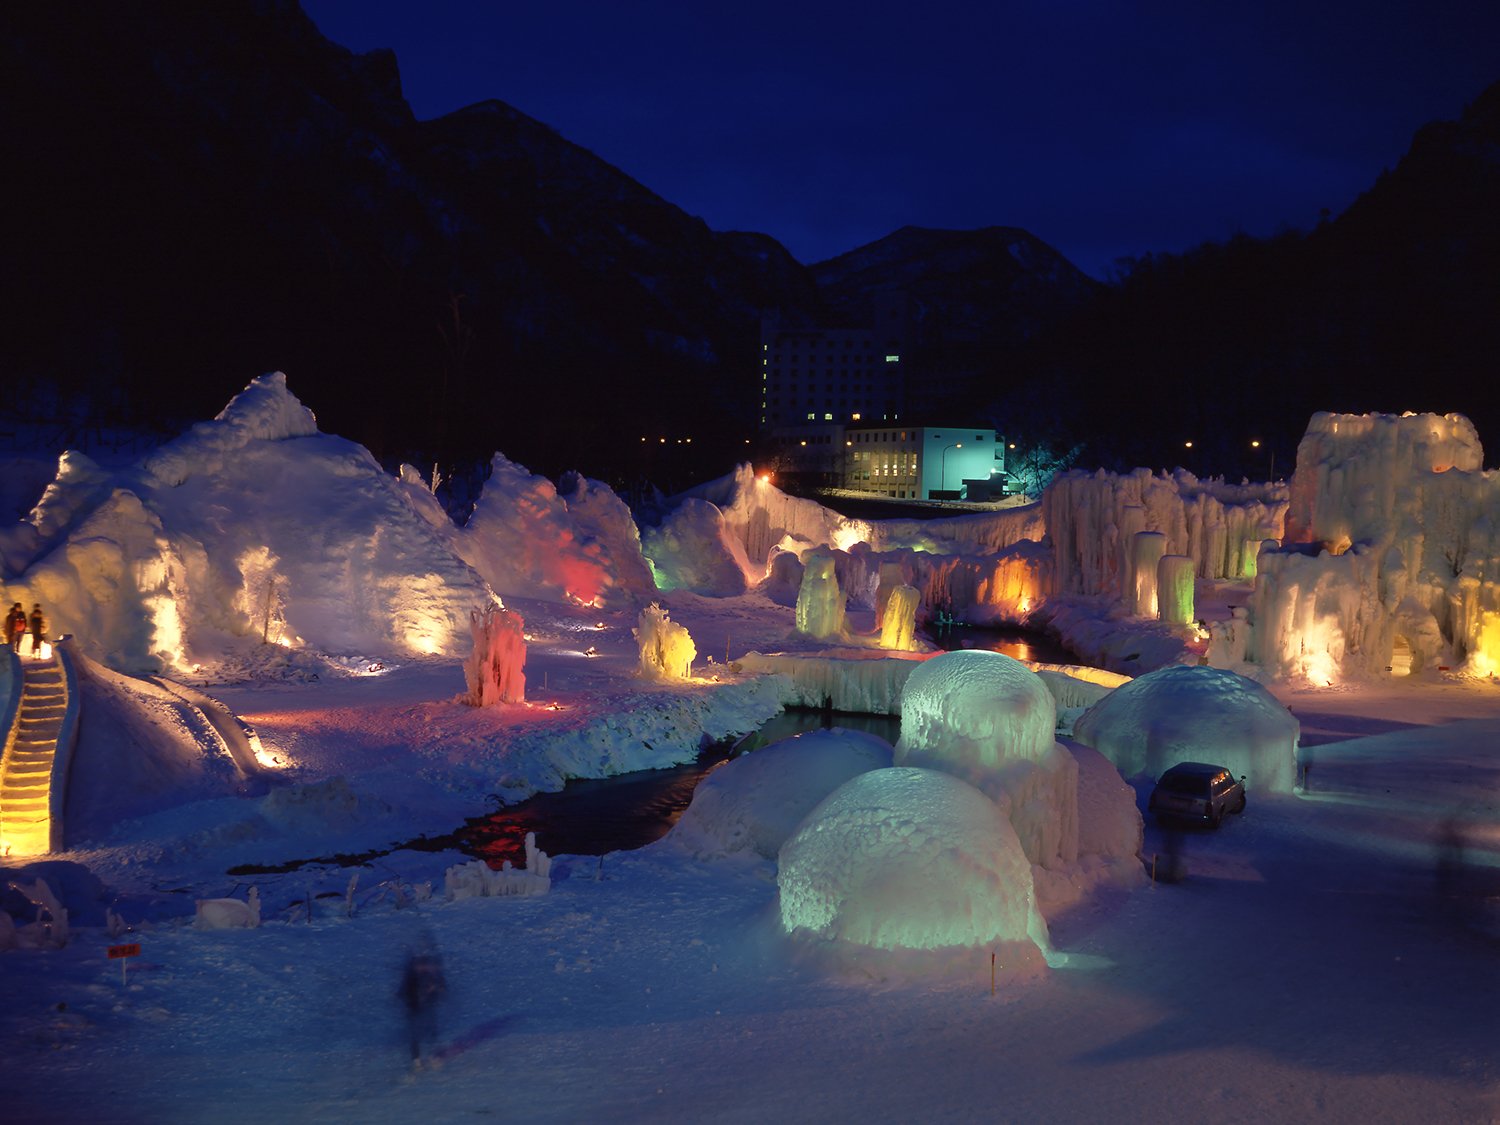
(251, 528)
(990, 720)
(527, 541)
(693, 550)
(264, 411)
(1109, 821)
(1185, 713)
(754, 802)
(971, 712)
(907, 858)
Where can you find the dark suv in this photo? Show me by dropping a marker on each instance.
(1199, 792)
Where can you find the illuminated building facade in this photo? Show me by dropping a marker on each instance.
(924, 462)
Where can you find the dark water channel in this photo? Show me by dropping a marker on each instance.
(594, 816)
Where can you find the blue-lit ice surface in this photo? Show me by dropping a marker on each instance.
(754, 802)
(906, 858)
(1185, 713)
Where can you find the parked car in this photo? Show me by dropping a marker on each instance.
(1198, 792)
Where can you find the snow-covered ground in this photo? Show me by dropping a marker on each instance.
(1307, 968)
(1333, 954)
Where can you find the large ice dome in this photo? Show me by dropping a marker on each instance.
(754, 802)
(975, 711)
(1185, 713)
(907, 858)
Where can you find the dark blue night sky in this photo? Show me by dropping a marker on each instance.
(1104, 129)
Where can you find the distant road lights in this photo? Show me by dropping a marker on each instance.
(1187, 445)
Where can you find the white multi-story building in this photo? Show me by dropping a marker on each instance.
(924, 462)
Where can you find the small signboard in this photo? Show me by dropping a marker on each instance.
(133, 949)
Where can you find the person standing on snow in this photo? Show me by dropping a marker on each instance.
(15, 626)
(38, 629)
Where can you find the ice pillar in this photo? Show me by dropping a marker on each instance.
(1132, 520)
(820, 602)
(900, 624)
(495, 672)
(1146, 550)
(1174, 589)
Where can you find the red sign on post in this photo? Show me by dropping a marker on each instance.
(131, 950)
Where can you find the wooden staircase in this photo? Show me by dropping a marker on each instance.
(26, 769)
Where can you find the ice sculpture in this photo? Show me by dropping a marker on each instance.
(754, 802)
(1392, 544)
(495, 670)
(1146, 550)
(990, 720)
(480, 880)
(1186, 714)
(907, 858)
(976, 710)
(820, 602)
(1174, 589)
(228, 913)
(667, 651)
(899, 627)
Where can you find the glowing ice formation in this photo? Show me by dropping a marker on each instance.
(992, 721)
(972, 712)
(1186, 714)
(666, 649)
(898, 629)
(1174, 589)
(754, 802)
(1392, 545)
(1146, 550)
(820, 602)
(907, 858)
(495, 670)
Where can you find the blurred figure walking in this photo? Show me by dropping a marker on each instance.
(422, 989)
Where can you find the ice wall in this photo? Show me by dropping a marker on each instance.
(863, 683)
(1091, 518)
(1392, 542)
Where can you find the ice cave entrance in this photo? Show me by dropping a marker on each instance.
(1401, 657)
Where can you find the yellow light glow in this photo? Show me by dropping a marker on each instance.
(1485, 658)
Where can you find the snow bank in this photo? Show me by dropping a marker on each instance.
(754, 802)
(907, 858)
(1202, 714)
(141, 748)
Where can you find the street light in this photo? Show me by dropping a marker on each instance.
(955, 445)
